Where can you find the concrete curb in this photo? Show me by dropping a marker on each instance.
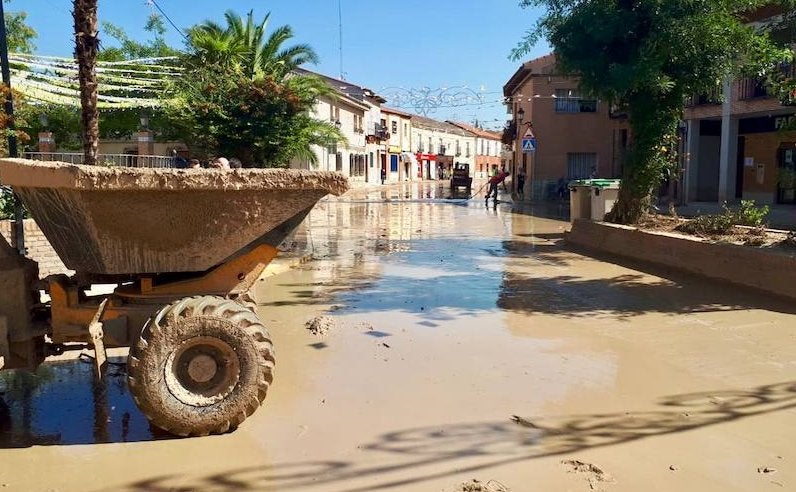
(766, 270)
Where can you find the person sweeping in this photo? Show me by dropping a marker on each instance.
(493, 182)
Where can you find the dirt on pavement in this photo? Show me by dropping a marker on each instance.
(451, 319)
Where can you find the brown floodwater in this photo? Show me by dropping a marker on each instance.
(467, 342)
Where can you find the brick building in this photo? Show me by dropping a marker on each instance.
(577, 136)
(737, 139)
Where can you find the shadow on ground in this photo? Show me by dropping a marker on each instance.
(422, 454)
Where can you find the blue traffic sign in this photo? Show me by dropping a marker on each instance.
(528, 145)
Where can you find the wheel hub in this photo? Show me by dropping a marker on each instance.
(202, 371)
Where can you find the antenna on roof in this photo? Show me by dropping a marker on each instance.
(340, 27)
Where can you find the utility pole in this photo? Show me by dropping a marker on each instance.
(19, 212)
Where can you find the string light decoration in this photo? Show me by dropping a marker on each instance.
(121, 84)
(425, 100)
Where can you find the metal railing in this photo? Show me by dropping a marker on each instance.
(752, 88)
(121, 160)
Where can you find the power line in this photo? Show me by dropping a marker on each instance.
(153, 2)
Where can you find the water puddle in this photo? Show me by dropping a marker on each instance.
(62, 403)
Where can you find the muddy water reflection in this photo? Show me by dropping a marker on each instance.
(61, 403)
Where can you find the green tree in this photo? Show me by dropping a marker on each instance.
(130, 49)
(242, 46)
(648, 56)
(241, 98)
(121, 123)
(20, 36)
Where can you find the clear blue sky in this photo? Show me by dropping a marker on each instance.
(402, 43)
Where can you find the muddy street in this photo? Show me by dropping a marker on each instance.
(462, 346)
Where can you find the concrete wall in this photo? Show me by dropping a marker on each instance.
(38, 247)
(759, 268)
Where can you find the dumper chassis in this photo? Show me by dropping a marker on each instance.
(200, 360)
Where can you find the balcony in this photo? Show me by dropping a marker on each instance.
(575, 105)
(752, 88)
(712, 97)
(378, 132)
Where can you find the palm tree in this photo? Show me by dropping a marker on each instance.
(243, 45)
(86, 46)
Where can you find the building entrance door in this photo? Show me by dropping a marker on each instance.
(786, 174)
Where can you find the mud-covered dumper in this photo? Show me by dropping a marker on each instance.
(461, 177)
(183, 247)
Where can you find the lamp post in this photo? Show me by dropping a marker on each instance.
(518, 147)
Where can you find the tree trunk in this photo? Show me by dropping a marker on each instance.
(629, 207)
(653, 123)
(86, 46)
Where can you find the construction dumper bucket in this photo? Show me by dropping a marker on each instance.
(122, 220)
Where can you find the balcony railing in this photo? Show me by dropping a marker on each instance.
(751, 88)
(575, 105)
(122, 160)
(380, 132)
(714, 96)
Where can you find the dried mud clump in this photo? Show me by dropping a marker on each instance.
(593, 473)
(479, 486)
(321, 325)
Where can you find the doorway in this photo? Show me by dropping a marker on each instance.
(786, 174)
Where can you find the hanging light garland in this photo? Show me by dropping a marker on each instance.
(122, 84)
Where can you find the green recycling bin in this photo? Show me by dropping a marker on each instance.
(592, 198)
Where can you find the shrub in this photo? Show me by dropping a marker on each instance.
(709, 225)
(751, 215)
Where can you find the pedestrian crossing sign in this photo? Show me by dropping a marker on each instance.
(528, 145)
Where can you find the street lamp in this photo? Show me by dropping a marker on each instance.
(144, 118)
(44, 121)
(520, 115)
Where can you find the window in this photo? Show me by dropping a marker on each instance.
(482, 146)
(441, 148)
(458, 149)
(357, 164)
(358, 124)
(468, 149)
(406, 129)
(569, 101)
(419, 143)
(394, 128)
(339, 162)
(430, 146)
(581, 165)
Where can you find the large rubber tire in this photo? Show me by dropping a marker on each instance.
(201, 366)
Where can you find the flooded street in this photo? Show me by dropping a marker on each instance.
(464, 343)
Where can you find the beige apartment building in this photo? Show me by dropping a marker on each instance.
(576, 136)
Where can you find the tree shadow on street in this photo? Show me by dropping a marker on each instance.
(418, 455)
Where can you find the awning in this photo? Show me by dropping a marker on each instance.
(408, 157)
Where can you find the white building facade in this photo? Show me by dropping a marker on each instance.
(437, 145)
